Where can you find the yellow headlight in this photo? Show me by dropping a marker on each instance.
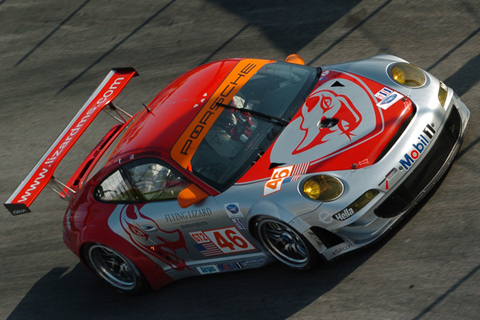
(408, 75)
(323, 188)
(364, 200)
(356, 206)
(442, 93)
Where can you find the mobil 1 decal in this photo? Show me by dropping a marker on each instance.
(340, 114)
(423, 140)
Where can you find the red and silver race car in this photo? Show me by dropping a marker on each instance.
(243, 161)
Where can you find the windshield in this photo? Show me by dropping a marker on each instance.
(250, 121)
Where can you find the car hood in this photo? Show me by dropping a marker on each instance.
(347, 122)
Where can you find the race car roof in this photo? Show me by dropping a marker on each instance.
(176, 106)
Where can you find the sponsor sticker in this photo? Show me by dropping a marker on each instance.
(382, 94)
(229, 266)
(252, 261)
(221, 241)
(342, 248)
(239, 223)
(220, 267)
(325, 217)
(233, 210)
(208, 269)
(390, 100)
(188, 215)
(418, 147)
(344, 215)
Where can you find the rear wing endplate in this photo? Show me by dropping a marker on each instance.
(20, 201)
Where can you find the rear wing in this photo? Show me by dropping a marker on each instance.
(20, 201)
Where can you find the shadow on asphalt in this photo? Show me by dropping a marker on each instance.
(461, 81)
(272, 292)
(289, 25)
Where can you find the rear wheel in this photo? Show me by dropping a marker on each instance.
(286, 244)
(116, 269)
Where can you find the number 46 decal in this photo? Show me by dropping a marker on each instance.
(275, 182)
(228, 240)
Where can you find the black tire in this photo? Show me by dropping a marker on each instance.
(116, 269)
(286, 244)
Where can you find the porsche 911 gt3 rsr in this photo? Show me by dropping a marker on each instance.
(241, 162)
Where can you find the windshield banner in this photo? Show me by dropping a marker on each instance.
(185, 147)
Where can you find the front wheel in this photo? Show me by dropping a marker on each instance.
(116, 269)
(286, 244)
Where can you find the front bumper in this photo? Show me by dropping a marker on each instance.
(414, 185)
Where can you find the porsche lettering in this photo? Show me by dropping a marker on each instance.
(187, 144)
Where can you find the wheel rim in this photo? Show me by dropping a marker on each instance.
(284, 243)
(112, 267)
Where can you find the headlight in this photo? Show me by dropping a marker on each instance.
(442, 93)
(323, 188)
(407, 75)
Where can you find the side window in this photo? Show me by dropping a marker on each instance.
(155, 181)
(143, 180)
(116, 188)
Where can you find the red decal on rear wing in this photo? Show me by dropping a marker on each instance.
(41, 174)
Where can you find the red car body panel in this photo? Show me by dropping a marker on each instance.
(87, 222)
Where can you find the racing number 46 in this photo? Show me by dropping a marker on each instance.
(229, 240)
(275, 182)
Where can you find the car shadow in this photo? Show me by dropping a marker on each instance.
(271, 292)
(462, 81)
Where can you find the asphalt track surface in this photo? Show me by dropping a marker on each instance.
(53, 54)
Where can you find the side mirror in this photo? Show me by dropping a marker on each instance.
(295, 58)
(191, 195)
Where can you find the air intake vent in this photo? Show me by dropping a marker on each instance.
(396, 136)
(425, 171)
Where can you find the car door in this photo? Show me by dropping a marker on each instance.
(151, 218)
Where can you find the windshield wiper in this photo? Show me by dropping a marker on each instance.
(264, 116)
